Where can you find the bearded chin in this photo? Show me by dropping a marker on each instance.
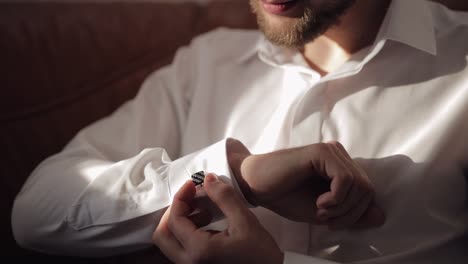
(295, 32)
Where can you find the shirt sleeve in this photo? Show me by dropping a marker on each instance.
(295, 258)
(106, 191)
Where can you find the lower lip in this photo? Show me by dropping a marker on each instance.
(278, 9)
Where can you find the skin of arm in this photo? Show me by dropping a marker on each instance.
(318, 183)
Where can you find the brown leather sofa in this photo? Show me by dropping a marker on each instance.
(65, 65)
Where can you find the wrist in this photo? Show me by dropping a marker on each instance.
(237, 154)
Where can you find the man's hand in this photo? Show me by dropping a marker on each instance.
(318, 183)
(244, 241)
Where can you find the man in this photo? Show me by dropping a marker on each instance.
(386, 79)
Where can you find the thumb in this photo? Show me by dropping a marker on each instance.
(228, 200)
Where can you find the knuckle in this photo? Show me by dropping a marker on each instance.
(322, 147)
(316, 150)
(336, 143)
(366, 185)
(345, 177)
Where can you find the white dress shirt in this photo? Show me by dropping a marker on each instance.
(400, 108)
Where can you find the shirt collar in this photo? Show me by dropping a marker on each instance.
(409, 22)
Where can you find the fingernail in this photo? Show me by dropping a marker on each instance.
(211, 177)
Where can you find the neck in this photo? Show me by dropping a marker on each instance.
(357, 29)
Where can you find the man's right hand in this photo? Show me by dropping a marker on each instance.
(318, 183)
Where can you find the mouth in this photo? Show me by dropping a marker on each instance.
(278, 7)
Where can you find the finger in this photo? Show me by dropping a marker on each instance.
(373, 217)
(353, 215)
(166, 241)
(183, 199)
(341, 180)
(346, 158)
(358, 169)
(351, 200)
(201, 218)
(204, 209)
(179, 223)
(341, 149)
(361, 185)
(228, 201)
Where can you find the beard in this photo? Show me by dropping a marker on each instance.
(296, 31)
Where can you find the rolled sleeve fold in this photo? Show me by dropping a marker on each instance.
(144, 184)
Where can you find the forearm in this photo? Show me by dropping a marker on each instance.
(77, 205)
(255, 174)
(76, 200)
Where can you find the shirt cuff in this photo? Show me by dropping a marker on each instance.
(295, 258)
(146, 184)
(210, 159)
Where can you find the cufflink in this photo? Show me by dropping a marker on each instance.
(198, 178)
